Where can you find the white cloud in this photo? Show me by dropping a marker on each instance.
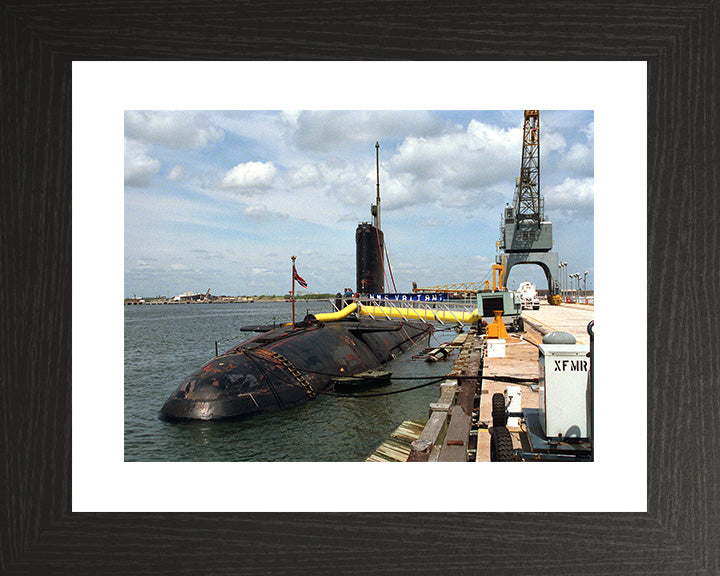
(402, 191)
(333, 130)
(267, 128)
(462, 167)
(177, 130)
(290, 116)
(305, 175)
(550, 141)
(176, 172)
(572, 198)
(250, 176)
(480, 156)
(579, 159)
(346, 183)
(262, 213)
(139, 166)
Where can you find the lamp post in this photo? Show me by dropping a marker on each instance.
(565, 279)
(560, 277)
(577, 291)
(585, 285)
(579, 286)
(568, 283)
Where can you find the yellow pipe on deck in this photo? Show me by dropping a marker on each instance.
(339, 315)
(415, 314)
(404, 313)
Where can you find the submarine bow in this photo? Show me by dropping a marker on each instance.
(287, 366)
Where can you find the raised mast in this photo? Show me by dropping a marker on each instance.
(375, 209)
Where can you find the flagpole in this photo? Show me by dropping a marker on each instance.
(292, 297)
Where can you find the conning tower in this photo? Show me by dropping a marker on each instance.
(370, 244)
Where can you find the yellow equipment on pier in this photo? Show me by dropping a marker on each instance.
(498, 271)
(497, 328)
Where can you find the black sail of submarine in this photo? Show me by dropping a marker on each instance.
(288, 365)
(369, 243)
(369, 246)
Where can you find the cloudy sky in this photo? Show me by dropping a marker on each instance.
(223, 199)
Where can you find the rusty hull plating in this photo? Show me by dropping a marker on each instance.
(287, 366)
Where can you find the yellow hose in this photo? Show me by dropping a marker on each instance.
(404, 313)
(333, 316)
(415, 314)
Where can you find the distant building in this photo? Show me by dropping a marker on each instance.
(134, 301)
(195, 297)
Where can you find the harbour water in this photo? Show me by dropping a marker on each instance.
(165, 343)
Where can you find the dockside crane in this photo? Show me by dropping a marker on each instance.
(525, 235)
(527, 199)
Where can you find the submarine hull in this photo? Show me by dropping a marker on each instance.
(287, 366)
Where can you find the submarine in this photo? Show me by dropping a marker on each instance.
(288, 366)
(291, 364)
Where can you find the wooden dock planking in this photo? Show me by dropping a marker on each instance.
(518, 368)
(455, 446)
(397, 447)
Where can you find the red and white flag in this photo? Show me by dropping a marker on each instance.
(297, 278)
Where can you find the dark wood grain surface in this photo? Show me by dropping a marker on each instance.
(680, 533)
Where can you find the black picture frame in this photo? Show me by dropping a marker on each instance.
(680, 533)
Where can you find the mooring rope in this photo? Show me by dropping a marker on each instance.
(434, 380)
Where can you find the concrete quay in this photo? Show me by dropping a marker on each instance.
(572, 318)
(459, 424)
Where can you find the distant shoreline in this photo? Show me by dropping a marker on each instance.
(223, 300)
